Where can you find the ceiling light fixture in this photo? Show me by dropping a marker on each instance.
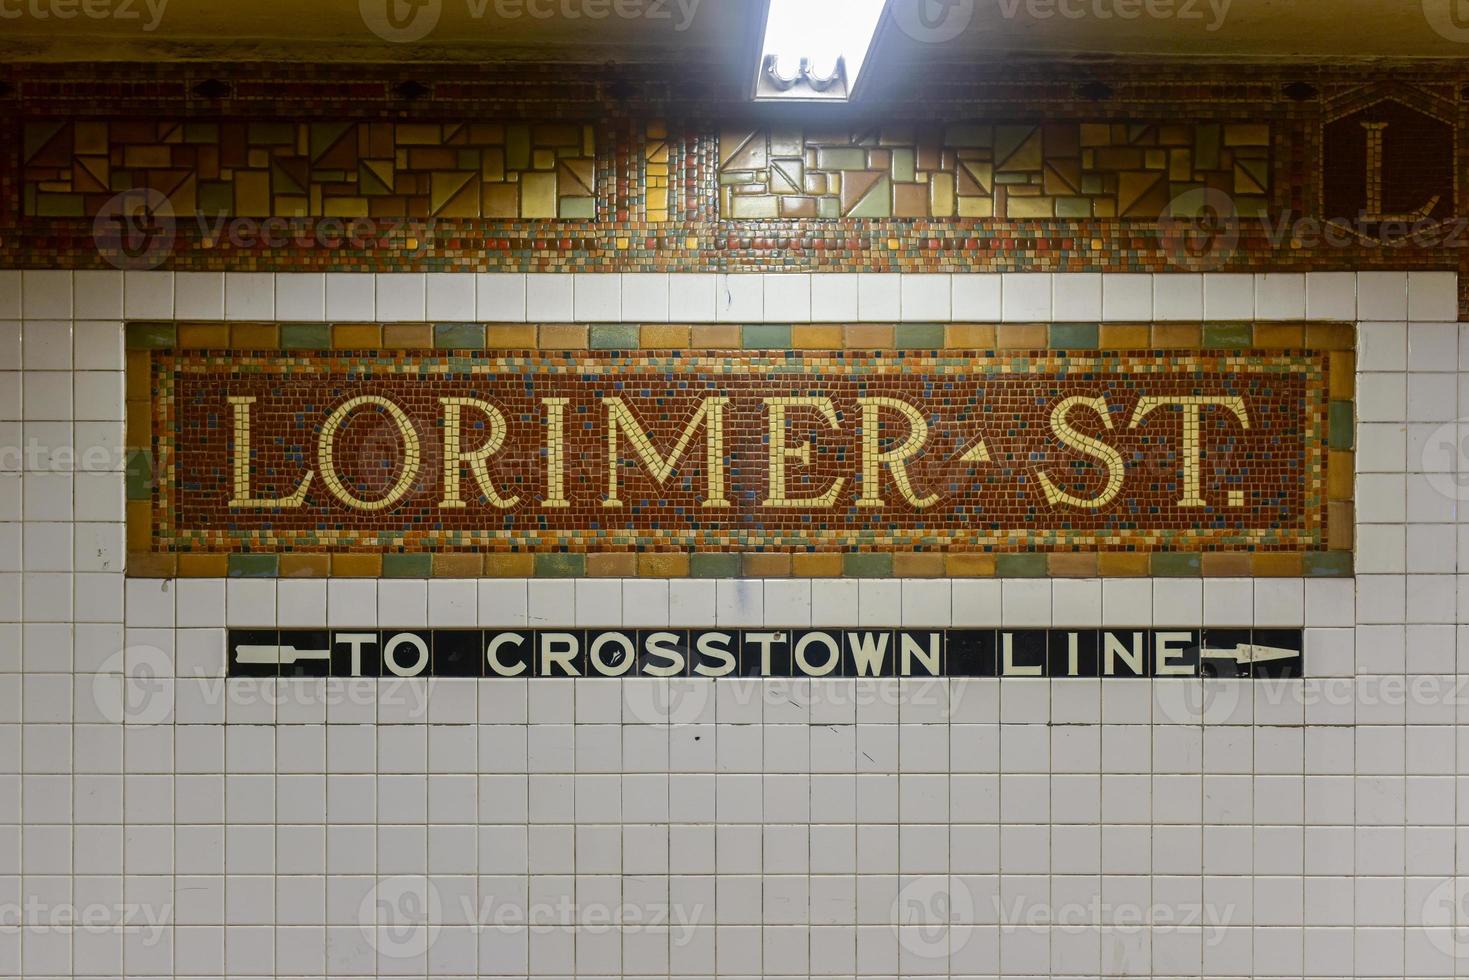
(815, 50)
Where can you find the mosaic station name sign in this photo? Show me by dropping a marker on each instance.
(812, 653)
(738, 451)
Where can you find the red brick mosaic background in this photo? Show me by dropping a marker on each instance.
(971, 482)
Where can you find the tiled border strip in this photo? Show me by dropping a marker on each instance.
(737, 298)
(1337, 338)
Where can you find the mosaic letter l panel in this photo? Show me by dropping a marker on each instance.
(474, 450)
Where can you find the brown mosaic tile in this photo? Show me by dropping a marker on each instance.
(1343, 385)
(1124, 565)
(510, 336)
(1278, 565)
(766, 566)
(1276, 336)
(970, 566)
(969, 336)
(1178, 336)
(305, 566)
(363, 336)
(816, 565)
(408, 336)
(510, 566)
(1021, 336)
(716, 336)
(255, 336)
(1342, 525)
(663, 566)
(616, 565)
(1129, 336)
(1341, 474)
(204, 335)
(923, 565)
(1073, 565)
(357, 566)
(200, 566)
(656, 336)
(1331, 336)
(146, 564)
(816, 336)
(563, 336)
(868, 336)
(458, 566)
(1224, 565)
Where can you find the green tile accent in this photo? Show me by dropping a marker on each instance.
(614, 336)
(306, 336)
(1238, 336)
(254, 566)
(139, 474)
(561, 566)
(459, 336)
(1178, 565)
(1329, 564)
(1343, 428)
(1075, 336)
(765, 336)
(408, 566)
(151, 336)
(578, 207)
(1021, 566)
(864, 565)
(919, 336)
(714, 565)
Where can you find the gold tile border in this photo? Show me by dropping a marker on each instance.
(1339, 339)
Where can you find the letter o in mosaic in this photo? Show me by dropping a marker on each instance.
(390, 655)
(624, 650)
(412, 458)
(833, 654)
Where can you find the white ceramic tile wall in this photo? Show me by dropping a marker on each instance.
(782, 828)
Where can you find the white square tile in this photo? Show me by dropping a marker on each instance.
(926, 602)
(598, 602)
(451, 296)
(926, 298)
(645, 298)
(1127, 602)
(147, 294)
(551, 601)
(1433, 296)
(402, 602)
(788, 297)
(1025, 602)
(1076, 602)
(452, 602)
(10, 294)
(879, 297)
(834, 601)
(97, 346)
(1331, 296)
(249, 296)
(1331, 602)
(1180, 600)
(251, 602)
(978, 296)
(99, 396)
(1229, 296)
(199, 295)
(98, 294)
(1026, 297)
(739, 298)
(834, 297)
(788, 602)
(1280, 296)
(1433, 346)
(502, 602)
(1382, 296)
(201, 602)
(739, 602)
(500, 297)
(691, 602)
(549, 297)
(645, 602)
(401, 296)
(597, 296)
(1076, 296)
(1178, 296)
(300, 296)
(691, 297)
(1127, 297)
(46, 345)
(1382, 346)
(301, 602)
(46, 294)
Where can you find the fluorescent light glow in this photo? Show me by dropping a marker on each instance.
(814, 40)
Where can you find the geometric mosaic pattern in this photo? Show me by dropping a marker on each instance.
(328, 169)
(985, 170)
(484, 449)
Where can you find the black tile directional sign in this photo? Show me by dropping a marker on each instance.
(768, 652)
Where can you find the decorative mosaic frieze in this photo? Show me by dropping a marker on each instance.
(512, 170)
(991, 170)
(474, 449)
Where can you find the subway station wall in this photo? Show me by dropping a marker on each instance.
(189, 788)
